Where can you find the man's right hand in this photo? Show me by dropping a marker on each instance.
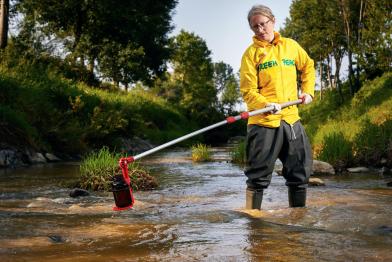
(277, 108)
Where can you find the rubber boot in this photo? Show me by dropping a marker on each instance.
(297, 197)
(254, 198)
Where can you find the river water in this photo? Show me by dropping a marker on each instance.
(196, 214)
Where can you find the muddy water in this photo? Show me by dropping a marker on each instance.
(196, 215)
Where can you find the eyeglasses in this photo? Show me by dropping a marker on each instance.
(259, 25)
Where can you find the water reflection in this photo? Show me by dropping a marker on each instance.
(195, 215)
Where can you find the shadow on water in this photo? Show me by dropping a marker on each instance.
(195, 215)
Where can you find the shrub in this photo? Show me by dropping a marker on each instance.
(201, 153)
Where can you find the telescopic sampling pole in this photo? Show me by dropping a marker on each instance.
(229, 120)
(122, 190)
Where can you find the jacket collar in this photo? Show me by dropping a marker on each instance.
(261, 43)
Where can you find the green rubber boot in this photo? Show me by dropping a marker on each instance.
(254, 198)
(297, 197)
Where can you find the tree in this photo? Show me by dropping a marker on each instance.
(4, 9)
(227, 87)
(330, 30)
(87, 27)
(192, 79)
(118, 63)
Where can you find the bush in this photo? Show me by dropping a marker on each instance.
(201, 153)
(336, 150)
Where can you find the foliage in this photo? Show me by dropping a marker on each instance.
(191, 85)
(73, 118)
(329, 30)
(201, 153)
(238, 153)
(87, 30)
(227, 86)
(98, 169)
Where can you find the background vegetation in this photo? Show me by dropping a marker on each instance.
(79, 75)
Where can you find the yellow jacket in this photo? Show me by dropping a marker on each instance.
(269, 74)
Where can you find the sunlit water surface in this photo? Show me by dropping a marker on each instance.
(196, 214)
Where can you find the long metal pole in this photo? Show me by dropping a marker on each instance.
(229, 120)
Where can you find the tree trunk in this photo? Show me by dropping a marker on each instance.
(344, 8)
(4, 8)
(329, 77)
(321, 79)
(90, 66)
(338, 63)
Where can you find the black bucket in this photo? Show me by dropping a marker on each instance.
(121, 192)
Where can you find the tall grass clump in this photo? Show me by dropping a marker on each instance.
(201, 153)
(238, 153)
(98, 168)
(374, 143)
(337, 150)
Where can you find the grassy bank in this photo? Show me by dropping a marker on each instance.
(43, 108)
(355, 132)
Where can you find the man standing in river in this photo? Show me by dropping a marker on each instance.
(269, 77)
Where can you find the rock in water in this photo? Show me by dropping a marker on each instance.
(360, 169)
(314, 181)
(77, 192)
(320, 167)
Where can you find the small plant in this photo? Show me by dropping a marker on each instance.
(238, 153)
(98, 168)
(201, 153)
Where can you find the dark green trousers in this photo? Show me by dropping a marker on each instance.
(289, 143)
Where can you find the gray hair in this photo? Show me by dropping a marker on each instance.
(260, 10)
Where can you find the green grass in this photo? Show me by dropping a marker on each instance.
(238, 153)
(361, 123)
(201, 153)
(98, 168)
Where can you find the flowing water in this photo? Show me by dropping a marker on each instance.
(195, 215)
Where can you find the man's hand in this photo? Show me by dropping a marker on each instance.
(306, 98)
(277, 108)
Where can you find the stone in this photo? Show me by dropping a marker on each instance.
(37, 158)
(360, 169)
(7, 157)
(77, 192)
(320, 167)
(51, 157)
(314, 181)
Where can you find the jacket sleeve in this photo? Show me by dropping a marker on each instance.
(308, 74)
(249, 84)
